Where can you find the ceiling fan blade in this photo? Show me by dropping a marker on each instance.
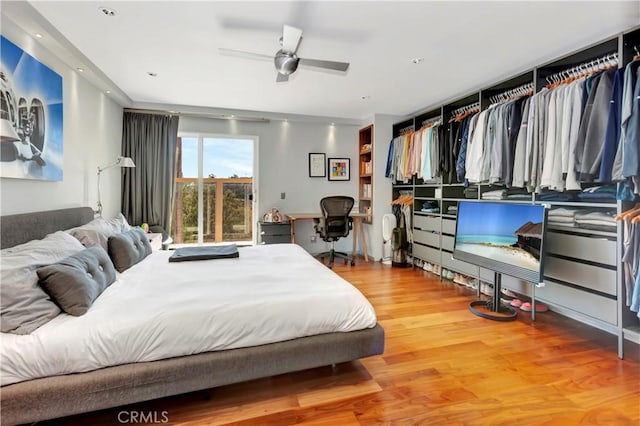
(332, 65)
(243, 54)
(281, 78)
(291, 38)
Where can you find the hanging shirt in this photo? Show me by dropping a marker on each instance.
(462, 154)
(612, 134)
(589, 166)
(627, 105)
(513, 131)
(388, 171)
(427, 139)
(475, 149)
(556, 181)
(631, 156)
(519, 155)
(574, 116)
(549, 139)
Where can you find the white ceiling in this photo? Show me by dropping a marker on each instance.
(465, 46)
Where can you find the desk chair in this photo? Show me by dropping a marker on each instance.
(334, 224)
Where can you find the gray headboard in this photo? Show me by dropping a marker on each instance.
(20, 228)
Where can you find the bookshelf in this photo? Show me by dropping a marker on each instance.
(365, 172)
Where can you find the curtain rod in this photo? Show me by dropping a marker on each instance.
(200, 115)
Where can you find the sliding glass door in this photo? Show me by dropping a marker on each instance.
(214, 190)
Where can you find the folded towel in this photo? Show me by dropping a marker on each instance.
(598, 215)
(561, 211)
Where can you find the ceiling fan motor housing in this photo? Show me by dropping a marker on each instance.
(286, 62)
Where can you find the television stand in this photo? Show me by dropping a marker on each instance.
(502, 313)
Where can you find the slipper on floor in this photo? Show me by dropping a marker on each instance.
(516, 302)
(506, 293)
(539, 307)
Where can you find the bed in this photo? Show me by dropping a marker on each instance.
(174, 367)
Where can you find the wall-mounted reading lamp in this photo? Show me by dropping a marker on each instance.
(120, 162)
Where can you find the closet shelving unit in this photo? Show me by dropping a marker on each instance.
(629, 46)
(583, 278)
(365, 172)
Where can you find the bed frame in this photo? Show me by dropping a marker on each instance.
(59, 396)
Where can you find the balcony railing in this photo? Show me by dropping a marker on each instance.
(227, 210)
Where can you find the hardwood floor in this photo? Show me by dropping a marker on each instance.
(442, 366)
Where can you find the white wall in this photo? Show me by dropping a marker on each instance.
(382, 189)
(92, 136)
(283, 156)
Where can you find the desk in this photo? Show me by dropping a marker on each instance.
(357, 228)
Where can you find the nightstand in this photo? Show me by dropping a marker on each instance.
(275, 232)
(155, 240)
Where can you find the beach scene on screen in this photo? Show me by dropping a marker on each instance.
(501, 232)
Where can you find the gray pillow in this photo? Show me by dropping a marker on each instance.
(24, 305)
(128, 248)
(75, 282)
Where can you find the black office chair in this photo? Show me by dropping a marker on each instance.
(334, 224)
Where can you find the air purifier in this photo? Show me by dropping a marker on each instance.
(388, 223)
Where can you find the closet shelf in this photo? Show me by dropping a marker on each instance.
(577, 204)
(577, 230)
(419, 213)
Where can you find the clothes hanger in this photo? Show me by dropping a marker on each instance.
(634, 212)
(406, 131)
(637, 56)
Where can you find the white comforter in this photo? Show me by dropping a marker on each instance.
(159, 310)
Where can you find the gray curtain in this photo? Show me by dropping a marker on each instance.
(147, 190)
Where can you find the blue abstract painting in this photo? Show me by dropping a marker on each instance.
(30, 116)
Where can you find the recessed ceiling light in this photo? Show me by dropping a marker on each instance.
(38, 35)
(333, 124)
(107, 11)
(107, 92)
(417, 60)
(152, 74)
(80, 69)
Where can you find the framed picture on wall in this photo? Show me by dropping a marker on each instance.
(317, 164)
(339, 168)
(32, 116)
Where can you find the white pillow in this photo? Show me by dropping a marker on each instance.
(24, 306)
(95, 232)
(119, 224)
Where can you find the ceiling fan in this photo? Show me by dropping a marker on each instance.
(285, 59)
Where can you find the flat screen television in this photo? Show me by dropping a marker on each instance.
(507, 238)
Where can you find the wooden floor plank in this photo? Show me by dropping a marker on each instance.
(442, 366)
